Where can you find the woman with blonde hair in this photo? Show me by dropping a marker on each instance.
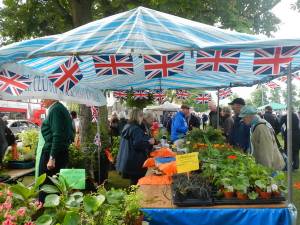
(135, 146)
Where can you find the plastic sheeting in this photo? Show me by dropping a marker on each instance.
(242, 216)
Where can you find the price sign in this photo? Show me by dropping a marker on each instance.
(75, 178)
(187, 162)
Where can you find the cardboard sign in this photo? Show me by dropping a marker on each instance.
(75, 178)
(187, 162)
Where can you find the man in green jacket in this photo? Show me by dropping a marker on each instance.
(58, 134)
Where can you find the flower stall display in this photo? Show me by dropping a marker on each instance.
(231, 177)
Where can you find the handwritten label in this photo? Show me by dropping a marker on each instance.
(187, 162)
(75, 178)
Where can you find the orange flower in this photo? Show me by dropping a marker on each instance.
(232, 157)
(297, 185)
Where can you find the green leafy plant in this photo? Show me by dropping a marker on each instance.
(115, 146)
(131, 102)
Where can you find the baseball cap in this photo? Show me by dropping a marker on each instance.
(239, 101)
(247, 111)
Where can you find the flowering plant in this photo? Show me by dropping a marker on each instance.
(14, 209)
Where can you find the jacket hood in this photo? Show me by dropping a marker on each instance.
(127, 130)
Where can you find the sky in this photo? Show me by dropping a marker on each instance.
(288, 28)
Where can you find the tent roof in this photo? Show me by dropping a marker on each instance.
(167, 106)
(137, 32)
(274, 105)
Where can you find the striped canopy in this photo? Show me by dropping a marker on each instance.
(136, 33)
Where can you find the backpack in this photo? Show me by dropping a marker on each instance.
(10, 137)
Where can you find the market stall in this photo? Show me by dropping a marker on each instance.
(143, 49)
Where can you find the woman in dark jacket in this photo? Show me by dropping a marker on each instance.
(134, 148)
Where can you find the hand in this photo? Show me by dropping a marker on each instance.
(51, 164)
(152, 141)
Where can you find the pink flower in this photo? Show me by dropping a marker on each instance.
(38, 204)
(7, 205)
(21, 211)
(9, 193)
(29, 223)
(10, 217)
(8, 222)
(1, 207)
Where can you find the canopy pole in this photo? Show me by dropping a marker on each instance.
(218, 109)
(289, 134)
(99, 148)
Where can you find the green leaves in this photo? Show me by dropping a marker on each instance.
(44, 220)
(92, 203)
(50, 189)
(71, 218)
(52, 200)
(39, 181)
(253, 195)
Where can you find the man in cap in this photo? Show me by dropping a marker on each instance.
(263, 142)
(179, 124)
(240, 133)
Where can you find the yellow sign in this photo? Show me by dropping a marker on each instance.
(187, 162)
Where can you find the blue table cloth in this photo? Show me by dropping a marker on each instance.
(217, 216)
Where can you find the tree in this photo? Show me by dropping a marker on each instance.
(275, 95)
(295, 95)
(192, 103)
(35, 18)
(259, 97)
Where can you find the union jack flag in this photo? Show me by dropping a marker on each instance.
(13, 83)
(67, 75)
(182, 94)
(159, 95)
(94, 112)
(113, 65)
(272, 85)
(225, 93)
(120, 94)
(157, 66)
(272, 61)
(203, 98)
(218, 61)
(140, 94)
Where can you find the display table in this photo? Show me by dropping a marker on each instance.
(16, 174)
(159, 209)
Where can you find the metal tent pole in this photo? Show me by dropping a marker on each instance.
(218, 109)
(99, 148)
(289, 134)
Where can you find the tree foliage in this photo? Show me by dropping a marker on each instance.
(275, 95)
(259, 97)
(35, 18)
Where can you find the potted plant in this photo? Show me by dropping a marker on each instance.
(241, 185)
(278, 184)
(227, 187)
(263, 187)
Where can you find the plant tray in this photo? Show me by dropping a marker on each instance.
(235, 201)
(4, 178)
(21, 164)
(188, 202)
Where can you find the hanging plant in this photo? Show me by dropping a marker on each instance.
(139, 99)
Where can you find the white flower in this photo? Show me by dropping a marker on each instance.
(274, 187)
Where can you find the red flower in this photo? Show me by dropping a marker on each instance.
(9, 193)
(232, 157)
(297, 185)
(8, 222)
(7, 205)
(29, 223)
(38, 204)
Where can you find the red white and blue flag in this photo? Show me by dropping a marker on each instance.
(203, 98)
(182, 94)
(158, 66)
(217, 61)
(67, 75)
(113, 65)
(13, 83)
(272, 85)
(140, 94)
(225, 93)
(272, 61)
(120, 94)
(159, 95)
(95, 114)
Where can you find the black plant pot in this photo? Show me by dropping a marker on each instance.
(21, 164)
